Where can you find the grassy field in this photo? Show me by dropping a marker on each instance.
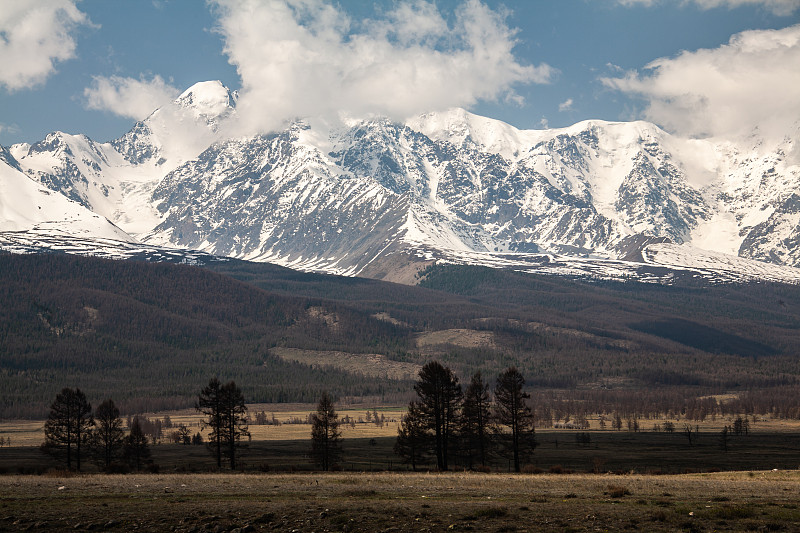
(772, 443)
(741, 501)
(31, 432)
(619, 480)
(618, 452)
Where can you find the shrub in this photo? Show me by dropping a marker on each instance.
(617, 491)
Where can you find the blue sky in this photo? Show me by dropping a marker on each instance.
(101, 64)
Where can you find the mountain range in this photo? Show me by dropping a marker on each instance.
(382, 198)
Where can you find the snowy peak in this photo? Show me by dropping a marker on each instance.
(351, 198)
(208, 99)
(179, 131)
(461, 128)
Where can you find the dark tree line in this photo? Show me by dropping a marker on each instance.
(445, 422)
(71, 429)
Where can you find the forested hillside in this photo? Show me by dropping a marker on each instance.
(152, 334)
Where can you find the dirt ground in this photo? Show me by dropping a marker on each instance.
(739, 501)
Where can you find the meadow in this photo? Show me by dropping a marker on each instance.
(367, 446)
(740, 501)
(612, 480)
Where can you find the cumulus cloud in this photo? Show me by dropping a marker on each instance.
(778, 7)
(305, 58)
(128, 97)
(566, 105)
(752, 81)
(34, 35)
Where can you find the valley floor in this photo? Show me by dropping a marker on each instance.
(734, 501)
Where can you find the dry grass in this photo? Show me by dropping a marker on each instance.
(31, 432)
(370, 365)
(402, 502)
(465, 338)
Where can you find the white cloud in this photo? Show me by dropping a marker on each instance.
(8, 129)
(752, 81)
(566, 105)
(129, 97)
(303, 58)
(778, 7)
(34, 35)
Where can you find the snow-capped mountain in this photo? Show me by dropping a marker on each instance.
(26, 206)
(364, 197)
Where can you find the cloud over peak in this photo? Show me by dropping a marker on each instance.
(129, 97)
(300, 58)
(749, 82)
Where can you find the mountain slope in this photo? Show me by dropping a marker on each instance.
(27, 206)
(151, 335)
(365, 197)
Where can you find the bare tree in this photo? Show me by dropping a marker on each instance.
(68, 425)
(513, 412)
(724, 438)
(687, 432)
(326, 436)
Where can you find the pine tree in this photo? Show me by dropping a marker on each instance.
(108, 436)
(68, 425)
(235, 419)
(513, 412)
(412, 439)
(439, 404)
(226, 415)
(136, 449)
(184, 434)
(476, 420)
(210, 403)
(325, 434)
